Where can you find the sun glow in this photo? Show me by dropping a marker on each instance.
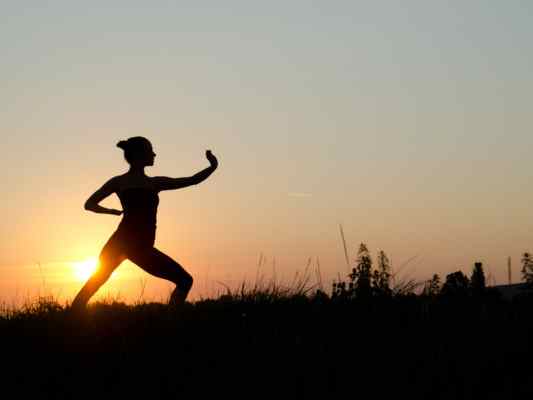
(84, 269)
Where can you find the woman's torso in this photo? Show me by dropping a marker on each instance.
(139, 201)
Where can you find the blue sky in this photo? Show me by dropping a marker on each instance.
(406, 121)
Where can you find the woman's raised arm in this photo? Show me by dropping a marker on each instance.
(166, 183)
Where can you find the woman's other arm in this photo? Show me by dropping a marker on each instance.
(92, 202)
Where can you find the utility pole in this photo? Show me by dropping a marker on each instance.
(509, 273)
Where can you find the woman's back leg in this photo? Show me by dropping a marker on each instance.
(159, 264)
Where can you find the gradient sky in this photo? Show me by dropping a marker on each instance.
(407, 122)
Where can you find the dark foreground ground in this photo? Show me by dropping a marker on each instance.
(409, 347)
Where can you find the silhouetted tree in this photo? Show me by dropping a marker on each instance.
(381, 276)
(320, 297)
(361, 275)
(527, 268)
(339, 290)
(432, 286)
(477, 280)
(456, 284)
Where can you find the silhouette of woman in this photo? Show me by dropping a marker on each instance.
(135, 235)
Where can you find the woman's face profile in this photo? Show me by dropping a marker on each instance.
(144, 156)
(149, 155)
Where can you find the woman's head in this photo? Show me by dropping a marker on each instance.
(137, 151)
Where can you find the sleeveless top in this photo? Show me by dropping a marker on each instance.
(139, 207)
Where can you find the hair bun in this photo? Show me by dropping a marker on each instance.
(122, 144)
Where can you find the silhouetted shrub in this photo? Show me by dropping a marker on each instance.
(477, 280)
(527, 268)
(432, 287)
(456, 285)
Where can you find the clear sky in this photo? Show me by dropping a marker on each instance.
(408, 122)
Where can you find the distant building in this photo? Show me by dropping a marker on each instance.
(508, 292)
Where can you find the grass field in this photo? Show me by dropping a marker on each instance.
(269, 342)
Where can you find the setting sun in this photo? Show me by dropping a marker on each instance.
(84, 269)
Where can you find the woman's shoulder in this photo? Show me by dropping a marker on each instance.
(112, 184)
(116, 182)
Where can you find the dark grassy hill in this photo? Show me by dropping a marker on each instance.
(409, 346)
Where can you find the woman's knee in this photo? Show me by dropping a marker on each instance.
(185, 281)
